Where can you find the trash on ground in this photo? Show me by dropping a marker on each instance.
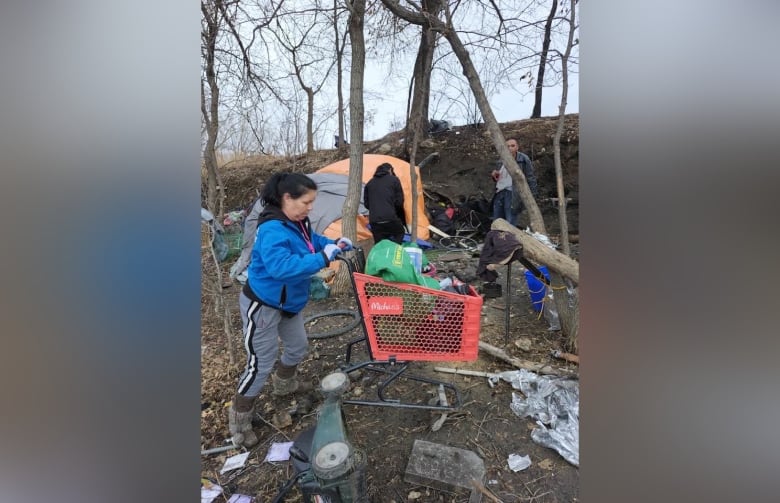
(209, 491)
(524, 343)
(234, 462)
(241, 498)
(555, 404)
(443, 467)
(279, 451)
(518, 463)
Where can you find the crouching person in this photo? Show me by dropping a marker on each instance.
(285, 255)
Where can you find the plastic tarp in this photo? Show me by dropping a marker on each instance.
(331, 193)
(555, 404)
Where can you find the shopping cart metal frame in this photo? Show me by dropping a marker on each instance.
(446, 396)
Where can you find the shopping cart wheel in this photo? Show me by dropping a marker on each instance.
(310, 323)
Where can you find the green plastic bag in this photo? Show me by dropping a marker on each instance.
(389, 261)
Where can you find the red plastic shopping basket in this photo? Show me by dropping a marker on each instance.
(408, 322)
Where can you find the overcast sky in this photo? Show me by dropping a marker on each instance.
(388, 101)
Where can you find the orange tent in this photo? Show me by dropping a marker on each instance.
(401, 169)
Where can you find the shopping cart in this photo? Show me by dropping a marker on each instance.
(404, 323)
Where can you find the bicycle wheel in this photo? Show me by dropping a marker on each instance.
(458, 243)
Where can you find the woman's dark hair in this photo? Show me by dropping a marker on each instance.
(279, 184)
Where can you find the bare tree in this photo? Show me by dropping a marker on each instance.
(340, 42)
(357, 9)
(301, 36)
(219, 16)
(537, 111)
(421, 77)
(211, 24)
(568, 305)
(448, 31)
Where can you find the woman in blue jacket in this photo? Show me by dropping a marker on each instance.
(285, 255)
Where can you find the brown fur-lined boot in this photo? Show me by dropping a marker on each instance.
(240, 421)
(285, 381)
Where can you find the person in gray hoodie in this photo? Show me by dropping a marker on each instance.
(506, 202)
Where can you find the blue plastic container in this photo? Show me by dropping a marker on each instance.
(536, 288)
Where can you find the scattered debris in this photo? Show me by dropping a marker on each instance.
(523, 343)
(234, 462)
(553, 401)
(518, 463)
(241, 498)
(441, 400)
(209, 491)
(443, 467)
(521, 364)
(566, 356)
(282, 419)
(464, 372)
(546, 464)
(279, 451)
(217, 450)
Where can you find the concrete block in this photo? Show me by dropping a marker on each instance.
(445, 468)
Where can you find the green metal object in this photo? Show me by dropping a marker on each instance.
(335, 470)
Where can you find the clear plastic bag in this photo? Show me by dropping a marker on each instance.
(551, 313)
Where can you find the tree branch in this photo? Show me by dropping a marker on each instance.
(404, 13)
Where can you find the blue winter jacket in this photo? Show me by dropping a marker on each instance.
(282, 264)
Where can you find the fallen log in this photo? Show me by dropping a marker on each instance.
(539, 368)
(539, 252)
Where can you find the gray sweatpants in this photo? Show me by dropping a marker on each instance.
(263, 328)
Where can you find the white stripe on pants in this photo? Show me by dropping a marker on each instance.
(264, 327)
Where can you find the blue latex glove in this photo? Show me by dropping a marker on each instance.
(331, 251)
(345, 244)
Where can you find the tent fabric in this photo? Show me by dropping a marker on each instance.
(331, 192)
(370, 163)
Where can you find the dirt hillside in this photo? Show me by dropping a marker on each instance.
(466, 157)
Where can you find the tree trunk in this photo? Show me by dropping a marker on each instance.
(520, 183)
(339, 60)
(309, 120)
(210, 111)
(567, 305)
(356, 113)
(539, 252)
(215, 196)
(418, 115)
(421, 80)
(537, 112)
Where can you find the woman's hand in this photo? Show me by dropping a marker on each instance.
(344, 243)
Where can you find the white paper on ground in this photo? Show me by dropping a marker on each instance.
(210, 493)
(234, 462)
(240, 498)
(279, 451)
(518, 462)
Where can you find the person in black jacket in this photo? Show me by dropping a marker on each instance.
(383, 197)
